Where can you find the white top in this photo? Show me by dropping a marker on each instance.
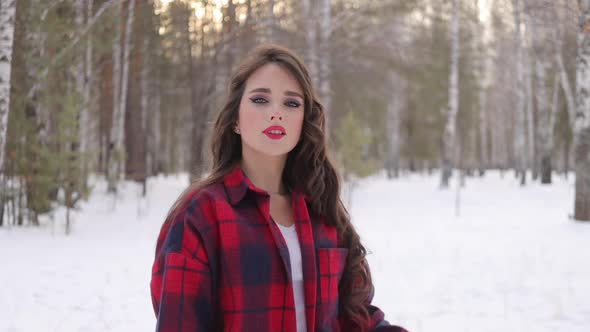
(290, 235)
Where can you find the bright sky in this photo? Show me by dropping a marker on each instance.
(484, 10)
(200, 11)
(217, 2)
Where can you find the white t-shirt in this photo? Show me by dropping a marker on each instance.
(290, 235)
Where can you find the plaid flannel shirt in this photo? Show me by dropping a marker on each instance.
(222, 265)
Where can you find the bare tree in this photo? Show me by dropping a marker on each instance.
(531, 147)
(582, 120)
(324, 63)
(310, 38)
(271, 24)
(115, 137)
(7, 17)
(553, 114)
(520, 92)
(542, 51)
(564, 77)
(7, 20)
(395, 106)
(483, 66)
(120, 86)
(83, 74)
(450, 132)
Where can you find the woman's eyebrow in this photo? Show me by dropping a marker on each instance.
(293, 93)
(287, 93)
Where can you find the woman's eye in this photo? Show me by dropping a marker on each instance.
(293, 104)
(289, 103)
(258, 100)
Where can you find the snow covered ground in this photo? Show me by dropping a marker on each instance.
(512, 261)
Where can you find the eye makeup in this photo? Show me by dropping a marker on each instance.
(288, 103)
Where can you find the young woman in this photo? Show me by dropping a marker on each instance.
(264, 243)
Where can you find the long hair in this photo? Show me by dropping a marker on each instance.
(307, 165)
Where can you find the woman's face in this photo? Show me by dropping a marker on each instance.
(271, 111)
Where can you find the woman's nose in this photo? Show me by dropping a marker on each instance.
(276, 115)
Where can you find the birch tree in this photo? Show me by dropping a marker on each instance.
(120, 86)
(450, 134)
(531, 147)
(7, 20)
(115, 135)
(271, 24)
(582, 119)
(566, 85)
(83, 74)
(325, 89)
(553, 115)
(481, 70)
(145, 86)
(396, 103)
(7, 16)
(520, 93)
(542, 57)
(564, 79)
(311, 50)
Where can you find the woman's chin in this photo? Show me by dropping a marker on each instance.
(268, 150)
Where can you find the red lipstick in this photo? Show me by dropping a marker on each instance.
(275, 132)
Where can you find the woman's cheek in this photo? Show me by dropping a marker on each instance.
(248, 118)
(299, 125)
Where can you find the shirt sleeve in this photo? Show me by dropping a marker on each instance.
(181, 281)
(380, 324)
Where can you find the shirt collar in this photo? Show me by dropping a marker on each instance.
(237, 185)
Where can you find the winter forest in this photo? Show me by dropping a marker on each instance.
(461, 129)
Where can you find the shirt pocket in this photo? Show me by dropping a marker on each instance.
(331, 262)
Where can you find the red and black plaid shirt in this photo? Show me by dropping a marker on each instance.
(222, 265)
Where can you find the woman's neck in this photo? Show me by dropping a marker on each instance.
(265, 172)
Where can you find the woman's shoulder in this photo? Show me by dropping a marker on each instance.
(203, 199)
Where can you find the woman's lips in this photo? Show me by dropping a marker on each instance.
(274, 136)
(275, 132)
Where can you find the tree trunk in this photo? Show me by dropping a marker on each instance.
(7, 21)
(394, 109)
(546, 163)
(484, 162)
(112, 157)
(231, 26)
(566, 87)
(135, 123)
(449, 135)
(125, 82)
(519, 130)
(582, 119)
(271, 24)
(530, 119)
(543, 56)
(79, 73)
(325, 65)
(144, 108)
(120, 86)
(483, 72)
(195, 152)
(82, 74)
(564, 77)
(309, 10)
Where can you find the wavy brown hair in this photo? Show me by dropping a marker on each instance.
(308, 166)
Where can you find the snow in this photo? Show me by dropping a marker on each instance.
(512, 260)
